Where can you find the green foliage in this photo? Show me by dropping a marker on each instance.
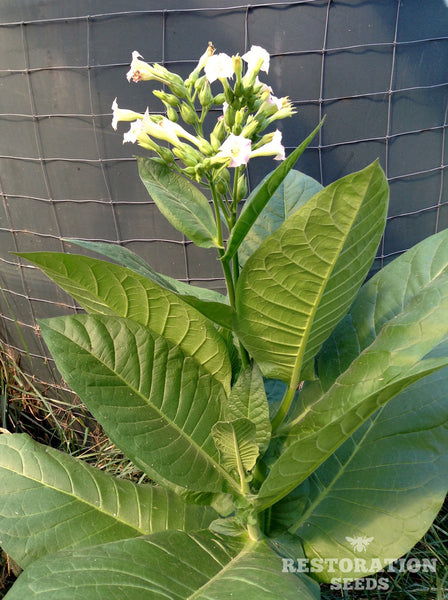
(303, 416)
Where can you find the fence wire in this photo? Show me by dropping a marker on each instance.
(378, 70)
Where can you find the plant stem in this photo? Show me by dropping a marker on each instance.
(284, 407)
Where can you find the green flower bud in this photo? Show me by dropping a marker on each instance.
(241, 187)
(172, 114)
(251, 128)
(215, 143)
(220, 131)
(219, 99)
(205, 147)
(188, 155)
(188, 114)
(167, 99)
(165, 154)
(223, 181)
(229, 117)
(205, 95)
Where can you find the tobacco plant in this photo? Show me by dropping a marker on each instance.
(294, 429)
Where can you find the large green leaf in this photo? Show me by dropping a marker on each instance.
(392, 362)
(171, 564)
(302, 279)
(386, 483)
(106, 288)
(295, 190)
(180, 202)
(382, 298)
(261, 195)
(50, 501)
(155, 402)
(125, 257)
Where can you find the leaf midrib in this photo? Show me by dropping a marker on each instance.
(169, 422)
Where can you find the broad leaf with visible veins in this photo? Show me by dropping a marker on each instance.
(300, 282)
(155, 402)
(105, 288)
(392, 362)
(388, 482)
(169, 564)
(50, 501)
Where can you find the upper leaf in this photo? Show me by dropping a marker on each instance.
(248, 400)
(51, 501)
(302, 279)
(261, 196)
(106, 288)
(236, 443)
(379, 300)
(295, 190)
(155, 402)
(180, 202)
(170, 564)
(395, 360)
(126, 258)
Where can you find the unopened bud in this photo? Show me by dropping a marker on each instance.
(167, 99)
(172, 114)
(219, 132)
(188, 114)
(223, 181)
(205, 147)
(219, 99)
(241, 187)
(205, 95)
(229, 117)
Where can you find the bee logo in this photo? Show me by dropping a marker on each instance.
(360, 543)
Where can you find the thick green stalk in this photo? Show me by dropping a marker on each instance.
(284, 408)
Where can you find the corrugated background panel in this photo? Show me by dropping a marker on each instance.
(377, 68)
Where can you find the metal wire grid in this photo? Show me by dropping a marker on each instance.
(27, 296)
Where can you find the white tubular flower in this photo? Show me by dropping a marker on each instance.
(140, 70)
(274, 147)
(237, 148)
(123, 114)
(134, 131)
(256, 54)
(219, 66)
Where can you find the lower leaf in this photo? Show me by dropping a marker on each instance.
(170, 564)
(50, 501)
(375, 498)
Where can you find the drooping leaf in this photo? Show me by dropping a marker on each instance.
(382, 298)
(236, 442)
(258, 200)
(126, 258)
(295, 190)
(180, 202)
(170, 564)
(248, 400)
(155, 402)
(302, 279)
(50, 501)
(392, 362)
(106, 288)
(385, 484)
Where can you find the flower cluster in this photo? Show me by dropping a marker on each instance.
(248, 107)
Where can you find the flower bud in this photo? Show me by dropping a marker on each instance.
(167, 99)
(172, 114)
(165, 154)
(205, 95)
(251, 128)
(219, 99)
(229, 117)
(223, 181)
(219, 132)
(241, 188)
(188, 114)
(188, 155)
(205, 147)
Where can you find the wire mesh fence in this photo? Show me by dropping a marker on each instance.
(378, 70)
